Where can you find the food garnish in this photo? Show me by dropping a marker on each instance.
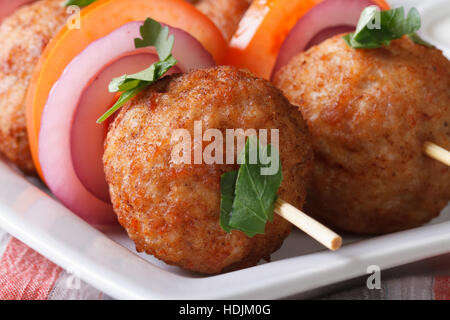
(247, 196)
(153, 35)
(323, 21)
(80, 3)
(415, 37)
(97, 22)
(263, 29)
(261, 32)
(378, 28)
(436, 152)
(83, 90)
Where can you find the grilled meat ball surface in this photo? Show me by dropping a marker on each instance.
(24, 36)
(369, 113)
(172, 210)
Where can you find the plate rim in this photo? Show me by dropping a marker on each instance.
(277, 279)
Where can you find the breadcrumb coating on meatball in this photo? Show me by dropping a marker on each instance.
(172, 210)
(369, 113)
(24, 36)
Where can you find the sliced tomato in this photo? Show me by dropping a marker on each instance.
(97, 20)
(262, 31)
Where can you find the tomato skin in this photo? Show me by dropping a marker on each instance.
(262, 31)
(382, 4)
(97, 20)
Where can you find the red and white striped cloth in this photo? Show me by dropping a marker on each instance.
(27, 275)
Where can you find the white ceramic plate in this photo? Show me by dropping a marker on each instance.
(107, 259)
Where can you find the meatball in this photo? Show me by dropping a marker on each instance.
(226, 14)
(172, 210)
(369, 113)
(24, 36)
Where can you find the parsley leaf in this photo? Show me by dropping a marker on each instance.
(151, 74)
(80, 3)
(248, 197)
(227, 186)
(153, 35)
(415, 37)
(378, 28)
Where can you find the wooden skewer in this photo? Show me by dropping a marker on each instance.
(315, 229)
(438, 153)
(321, 233)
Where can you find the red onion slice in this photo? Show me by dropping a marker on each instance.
(70, 141)
(325, 20)
(85, 159)
(9, 6)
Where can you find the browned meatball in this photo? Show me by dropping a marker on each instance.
(23, 37)
(226, 14)
(369, 113)
(172, 210)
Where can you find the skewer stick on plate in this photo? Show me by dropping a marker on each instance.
(436, 152)
(315, 229)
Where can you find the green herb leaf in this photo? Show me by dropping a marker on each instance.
(378, 28)
(415, 37)
(124, 97)
(80, 3)
(227, 186)
(254, 193)
(153, 34)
